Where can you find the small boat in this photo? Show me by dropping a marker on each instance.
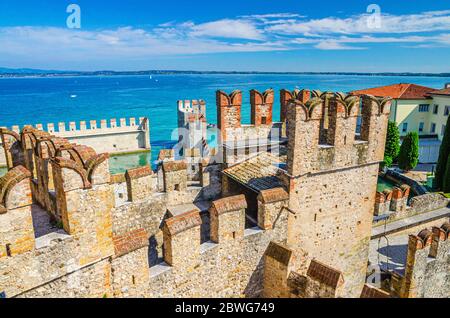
(151, 77)
(73, 96)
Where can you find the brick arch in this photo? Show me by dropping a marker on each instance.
(65, 163)
(426, 236)
(382, 103)
(4, 131)
(235, 98)
(93, 163)
(9, 181)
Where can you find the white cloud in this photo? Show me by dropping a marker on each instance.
(256, 33)
(227, 28)
(118, 43)
(360, 24)
(334, 45)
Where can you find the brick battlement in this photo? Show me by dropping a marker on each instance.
(338, 146)
(172, 231)
(394, 200)
(427, 251)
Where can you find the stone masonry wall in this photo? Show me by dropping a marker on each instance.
(427, 265)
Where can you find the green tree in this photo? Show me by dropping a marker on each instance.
(387, 162)
(446, 181)
(408, 157)
(392, 143)
(443, 158)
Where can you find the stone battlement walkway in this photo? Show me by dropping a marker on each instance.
(405, 223)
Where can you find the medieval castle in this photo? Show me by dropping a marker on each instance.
(277, 209)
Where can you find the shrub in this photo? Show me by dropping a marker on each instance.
(409, 152)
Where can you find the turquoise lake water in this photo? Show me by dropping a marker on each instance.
(48, 100)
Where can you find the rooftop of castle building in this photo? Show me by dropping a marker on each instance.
(398, 91)
(258, 173)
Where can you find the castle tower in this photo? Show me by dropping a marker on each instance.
(332, 185)
(192, 125)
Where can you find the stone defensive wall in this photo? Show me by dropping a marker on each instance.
(426, 271)
(398, 204)
(68, 228)
(71, 229)
(112, 136)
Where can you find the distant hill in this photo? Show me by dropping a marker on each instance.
(4, 70)
(28, 72)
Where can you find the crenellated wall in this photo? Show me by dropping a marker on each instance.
(125, 135)
(395, 200)
(170, 232)
(426, 272)
(281, 280)
(190, 265)
(238, 141)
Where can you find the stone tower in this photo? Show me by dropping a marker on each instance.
(192, 125)
(332, 184)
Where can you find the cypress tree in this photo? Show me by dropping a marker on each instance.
(409, 152)
(392, 143)
(446, 181)
(444, 153)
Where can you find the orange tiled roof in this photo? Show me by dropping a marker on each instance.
(445, 91)
(398, 91)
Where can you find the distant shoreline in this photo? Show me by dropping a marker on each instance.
(50, 74)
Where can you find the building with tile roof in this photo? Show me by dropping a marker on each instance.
(417, 108)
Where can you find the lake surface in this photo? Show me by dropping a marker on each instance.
(51, 100)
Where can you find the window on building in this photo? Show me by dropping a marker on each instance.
(447, 110)
(405, 127)
(436, 109)
(443, 130)
(424, 108)
(433, 128)
(421, 125)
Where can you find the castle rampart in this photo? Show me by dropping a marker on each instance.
(426, 271)
(299, 229)
(127, 135)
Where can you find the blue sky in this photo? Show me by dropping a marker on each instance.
(244, 35)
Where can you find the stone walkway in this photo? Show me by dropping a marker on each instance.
(45, 233)
(415, 220)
